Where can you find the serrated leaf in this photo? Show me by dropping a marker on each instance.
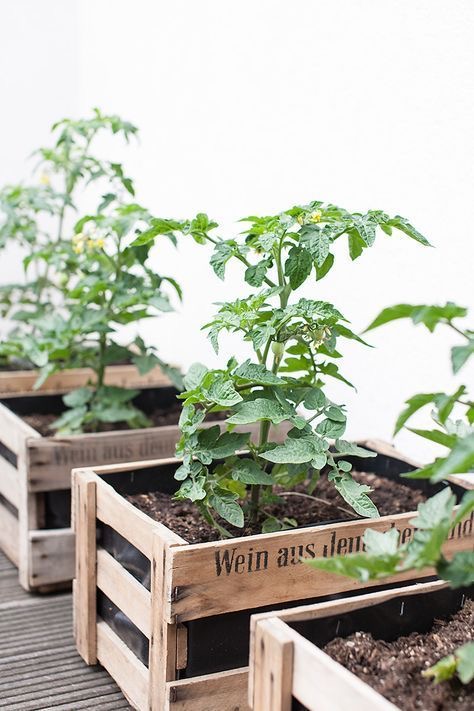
(257, 373)
(437, 436)
(294, 451)
(258, 410)
(315, 399)
(194, 376)
(324, 268)
(228, 508)
(298, 266)
(218, 388)
(356, 496)
(465, 659)
(248, 472)
(351, 449)
(78, 397)
(460, 355)
(414, 404)
(377, 543)
(222, 253)
(229, 443)
(459, 571)
(330, 428)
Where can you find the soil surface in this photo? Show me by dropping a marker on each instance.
(394, 668)
(325, 505)
(169, 415)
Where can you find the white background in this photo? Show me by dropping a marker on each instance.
(251, 107)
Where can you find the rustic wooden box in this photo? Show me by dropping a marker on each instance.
(287, 669)
(35, 471)
(192, 584)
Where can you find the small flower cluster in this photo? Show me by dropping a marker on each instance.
(313, 217)
(91, 240)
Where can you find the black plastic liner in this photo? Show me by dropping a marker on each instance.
(220, 642)
(9, 506)
(147, 400)
(387, 620)
(57, 504)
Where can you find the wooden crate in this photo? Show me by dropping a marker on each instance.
(32, 467)
(21, 382)
(286, 666)
(192, 583)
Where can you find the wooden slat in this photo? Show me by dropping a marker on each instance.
(9, 534)
(9, 487)
(224, 691)
(13, 431)
(21, 382)
(126, 519)
(464, 480)
(164, 636)
(321, 684)
(127, 670)
(50, 459)
(124, 590)
(271, 667)
(52, 556)
(223, 576)
(339, 607)
(85, 588)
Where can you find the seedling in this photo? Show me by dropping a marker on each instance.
(293, 351)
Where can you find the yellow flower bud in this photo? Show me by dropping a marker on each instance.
(300, 219)
(91, 243)
(45, 179)
(78, 248)
(316, 216)
(99, 243)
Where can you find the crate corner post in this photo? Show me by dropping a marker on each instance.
(271, 671)
(85, 585)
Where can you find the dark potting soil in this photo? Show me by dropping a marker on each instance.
(394, 668)
(169, 415)
(326, 504)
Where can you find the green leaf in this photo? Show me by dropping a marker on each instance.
(218, 388)
(430, 316)
(78, 397)
(257, 373)
(414, 404)
(324, 268)
(315, 399)
(248, 472)
(222, 253)
(443, 670)
(227, 507)
(258, 410)
(298, 266)
(71, 420)
(194, 376)
(350, 449)
(316, 240)
(256, 273)
(460, 663)
(228, 443)
(330, 428)
(356, 496)
(356, 244)
(335, 413)
(294, 451)
(465, 659)
(437, 436)
(402, 224)
(377, 543)
(192, 489)
(459, 572)
(459, 461)
(460, 355)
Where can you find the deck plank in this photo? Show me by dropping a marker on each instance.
(40, 669)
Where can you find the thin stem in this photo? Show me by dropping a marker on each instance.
(316, 498)
(458, 330)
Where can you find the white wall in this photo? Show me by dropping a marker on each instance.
(251, 107)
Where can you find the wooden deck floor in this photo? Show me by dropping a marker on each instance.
(39, 666)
